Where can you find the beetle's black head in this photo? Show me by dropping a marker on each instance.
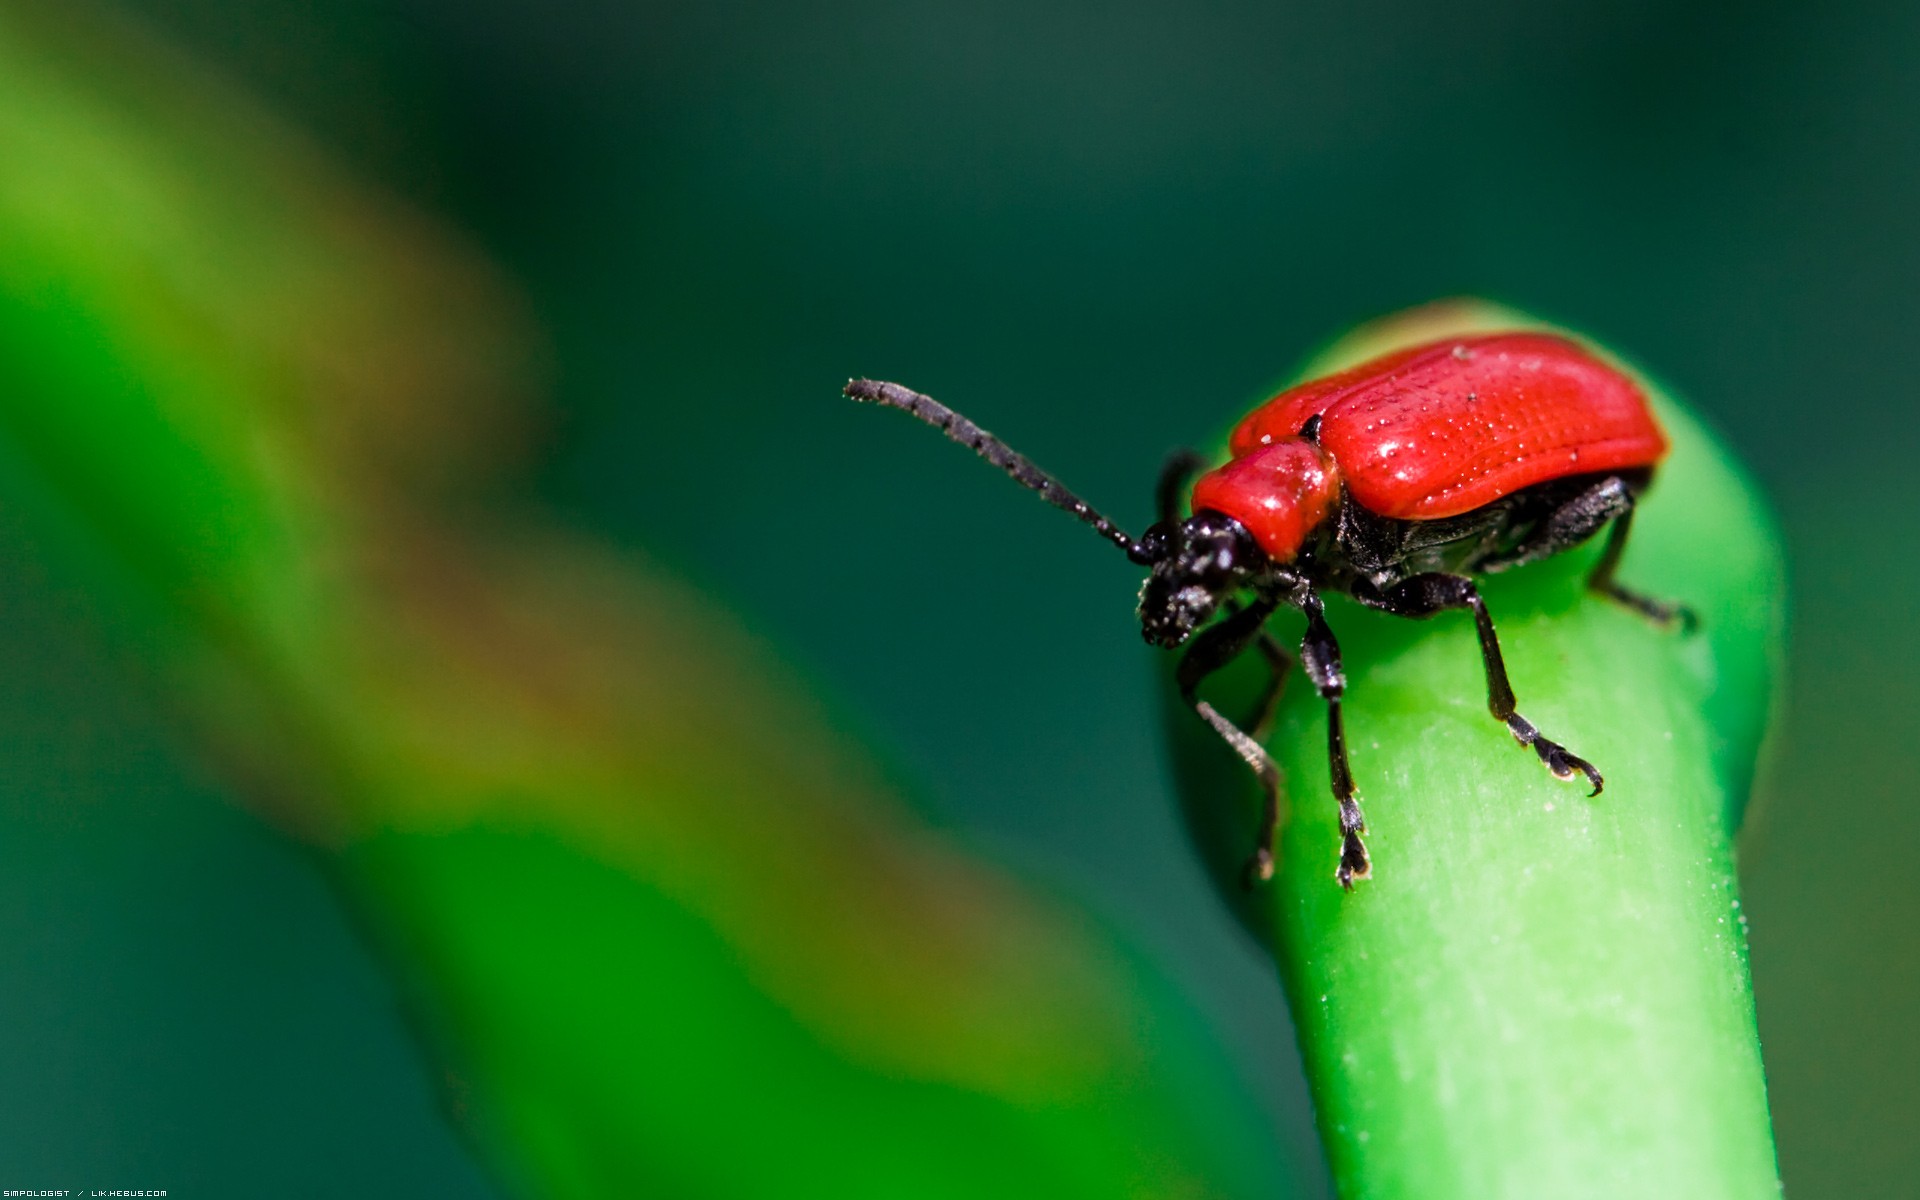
(1196, 565)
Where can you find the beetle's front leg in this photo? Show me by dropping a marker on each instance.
(1215, 647)
(1425, 595)
(1320, 655)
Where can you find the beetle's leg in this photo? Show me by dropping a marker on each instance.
(1567, 526)
(1661, 612)
(1320, 655)
(1576, 521)
(1215, 647)
(1279, 662)
(1174, 474)
(1425, 595)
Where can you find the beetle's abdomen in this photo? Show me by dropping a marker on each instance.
(1280, 492)
(1444, 428)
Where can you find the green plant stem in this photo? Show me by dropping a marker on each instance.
(1538, 994)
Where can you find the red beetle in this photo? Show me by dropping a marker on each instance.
(1393, 483)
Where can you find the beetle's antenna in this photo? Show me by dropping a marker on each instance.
(993, 450)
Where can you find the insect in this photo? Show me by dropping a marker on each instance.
(1394, 483)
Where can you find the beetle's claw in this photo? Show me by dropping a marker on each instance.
(1563, 763)
(1354, 863)
(1259, 868)
(1672, 617)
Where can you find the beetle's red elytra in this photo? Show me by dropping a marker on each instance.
(1444, 428)
(1394, 483)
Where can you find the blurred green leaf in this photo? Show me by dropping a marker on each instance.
(672, 932)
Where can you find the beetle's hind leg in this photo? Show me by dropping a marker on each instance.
(1425, 595)
(1567, 526)
(1665, 613)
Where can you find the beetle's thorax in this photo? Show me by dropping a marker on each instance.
(1280, 492)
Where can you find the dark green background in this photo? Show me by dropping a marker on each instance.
(1101, 230)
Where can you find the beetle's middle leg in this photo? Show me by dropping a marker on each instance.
(1610, 500)
(1425, 595)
